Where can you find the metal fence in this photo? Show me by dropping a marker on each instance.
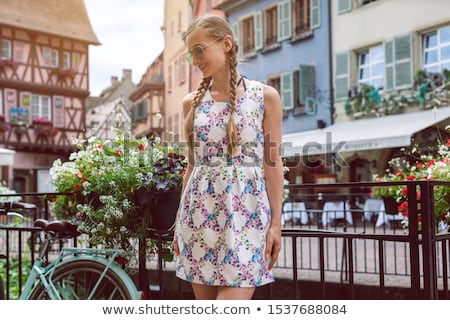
(348, 245)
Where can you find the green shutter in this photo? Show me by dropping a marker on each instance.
(342, 75)
(403, 61)
(284, 20)
(236, 33)
(287, 94)
(388, 65)
(344, 6)
(399, 73)
(257, 20)
(306, 82)
(315, 13)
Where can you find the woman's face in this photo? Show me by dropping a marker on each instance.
(206, 53)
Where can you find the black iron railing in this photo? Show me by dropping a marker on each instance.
(345, 246)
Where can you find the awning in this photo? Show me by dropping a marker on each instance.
(367, 134)
(6, 157)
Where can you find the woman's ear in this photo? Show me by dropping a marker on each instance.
(227, 43)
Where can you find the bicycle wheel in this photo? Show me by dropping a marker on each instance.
(80, 280)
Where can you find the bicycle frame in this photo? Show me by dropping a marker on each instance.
(42, 275)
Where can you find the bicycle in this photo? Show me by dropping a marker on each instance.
(76, 273)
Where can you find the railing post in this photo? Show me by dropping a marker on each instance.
(428, 237)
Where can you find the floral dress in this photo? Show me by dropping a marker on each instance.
(224, 211)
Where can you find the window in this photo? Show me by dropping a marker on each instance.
(248, 35)
(50, 57)
(76, 60)
(40, 107)
(436, 50)
(271, 27)
(19, 54)
(6, 50)
(66, 60)
(301, 16)
(371, 67)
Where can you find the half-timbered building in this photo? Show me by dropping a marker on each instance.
(44, 83)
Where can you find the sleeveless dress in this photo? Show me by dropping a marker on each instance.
(224, 211)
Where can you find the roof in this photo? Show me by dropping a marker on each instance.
(68, 18)
(367, 134)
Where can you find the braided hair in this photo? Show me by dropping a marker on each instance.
(216, 27)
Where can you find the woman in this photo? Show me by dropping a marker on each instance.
(228, 229)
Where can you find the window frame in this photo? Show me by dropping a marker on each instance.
(50, 57)
(6, 49)
(40, 110)
(438, 65)
(370, 65)
(248, 35)
(298, 17)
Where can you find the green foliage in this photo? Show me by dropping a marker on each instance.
(102, 179)
(14, 289)
(430, 90)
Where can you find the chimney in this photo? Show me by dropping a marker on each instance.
(114, 80)
(126, 74)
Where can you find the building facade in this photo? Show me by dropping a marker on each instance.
(44, 83)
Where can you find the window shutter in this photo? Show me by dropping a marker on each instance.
(284, 20)
(237, 34)
(403, 61)
(287, 94)
(344, 6)
(342, 76)
(315, 13)
(257, 20)
(58, 112)
(145, 111)
(306, 83)
(389, 65)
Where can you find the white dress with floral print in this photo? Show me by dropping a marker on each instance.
(224, 211)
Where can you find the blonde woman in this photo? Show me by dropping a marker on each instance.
(228, 229)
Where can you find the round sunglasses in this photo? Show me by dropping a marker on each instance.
(198, 51)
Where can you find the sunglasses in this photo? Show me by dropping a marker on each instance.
(198, 51)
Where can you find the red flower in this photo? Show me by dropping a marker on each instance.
(403, 208)
(118, 153)
(141, 146)
(405, 191)
(411, 177)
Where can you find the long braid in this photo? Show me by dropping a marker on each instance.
(231, 127)
(189, 123)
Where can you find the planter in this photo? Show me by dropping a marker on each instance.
(161, 206)
(164, 209)
(390, 205)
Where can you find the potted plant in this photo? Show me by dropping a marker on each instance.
(107, 180)
(431, 166)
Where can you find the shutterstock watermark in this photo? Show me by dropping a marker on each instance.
(215, 153)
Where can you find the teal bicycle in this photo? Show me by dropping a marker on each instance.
(76, 273)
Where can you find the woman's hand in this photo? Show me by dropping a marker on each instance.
(175, 245)
(273, 245)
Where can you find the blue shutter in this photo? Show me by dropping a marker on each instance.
(284, 20)
(258, 26)
(314, 9)
(287, 92)
(306, 83)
